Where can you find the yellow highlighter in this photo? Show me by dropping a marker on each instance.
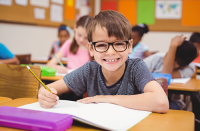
(38, 79)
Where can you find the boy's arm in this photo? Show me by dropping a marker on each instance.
(169, 60)
(13, 60)
(153, 99)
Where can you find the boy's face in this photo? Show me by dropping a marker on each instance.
(110, 60)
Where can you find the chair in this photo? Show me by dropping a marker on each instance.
(163, 83)
(17, 81)
(24, 59)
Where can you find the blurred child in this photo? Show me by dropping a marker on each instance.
(139, 50)
(63, 34)
(195, 39)
(112, 77)
(75, 50)
(6, 57)
(177, 62)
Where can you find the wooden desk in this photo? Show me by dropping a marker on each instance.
(4, 99)
(51, 78)
(191, 85)
(176, 120)
(45, 61)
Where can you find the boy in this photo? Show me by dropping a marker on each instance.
(176, 62)
(6, 57)
(112, 77)
(195, 39)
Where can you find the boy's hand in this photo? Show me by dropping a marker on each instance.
(177, 41)
(96, 99)
(47, 99)
(61, 69)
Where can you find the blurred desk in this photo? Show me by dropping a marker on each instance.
(51, 78)
(192, 85)
(191, 88)
(4, 99)
(44, 61)
(176, 120)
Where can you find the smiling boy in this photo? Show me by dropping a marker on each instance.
(112, 77)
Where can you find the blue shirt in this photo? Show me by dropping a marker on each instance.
(5, 53)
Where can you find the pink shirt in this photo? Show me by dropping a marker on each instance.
(74, 61)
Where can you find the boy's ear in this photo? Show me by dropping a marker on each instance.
(130, 46)
(90, 48)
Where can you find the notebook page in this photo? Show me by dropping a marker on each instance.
(102, 115)
(180, 80)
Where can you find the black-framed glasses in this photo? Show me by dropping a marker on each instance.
(102, 46)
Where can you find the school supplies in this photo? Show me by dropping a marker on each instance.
(180, 80)
(34, 120)
(163, 75)
(47, 71)
(103, 115)
(58, 60)
(38, 79)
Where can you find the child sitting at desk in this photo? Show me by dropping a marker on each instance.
(6, 57)
(195, 39)
(63, 35)
(177, 62)
(139, 50)
(75, 50)
(112, 77)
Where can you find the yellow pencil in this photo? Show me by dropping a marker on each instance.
(38, 79)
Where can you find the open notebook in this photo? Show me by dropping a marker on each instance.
(103, 115)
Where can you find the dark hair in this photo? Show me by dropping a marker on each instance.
(115, 23)
(141, 29)
(195, 37)
(64, 27)
(83, 21)
(185, 53)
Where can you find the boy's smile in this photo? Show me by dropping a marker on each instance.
(110, 60)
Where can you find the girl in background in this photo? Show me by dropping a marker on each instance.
(75, 50)
(63, 35)
(139, 50)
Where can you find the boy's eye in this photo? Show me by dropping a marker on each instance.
(101, 45)
(120, 43)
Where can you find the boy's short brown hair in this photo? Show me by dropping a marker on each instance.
(116, 24)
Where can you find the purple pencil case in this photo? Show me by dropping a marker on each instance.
(34, 120)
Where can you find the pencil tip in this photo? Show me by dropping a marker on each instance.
(28, 67)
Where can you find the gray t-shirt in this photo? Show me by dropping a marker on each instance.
(155, 63)
(89, 78)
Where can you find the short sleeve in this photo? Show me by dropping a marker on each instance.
(5, 53)
(66, 47)
(77, 80)
(141, 75)
(187, 72)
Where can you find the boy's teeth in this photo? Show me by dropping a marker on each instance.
(111, 60)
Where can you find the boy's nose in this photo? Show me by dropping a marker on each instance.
(110, 51)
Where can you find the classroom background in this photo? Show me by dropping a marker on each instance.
(30, 26)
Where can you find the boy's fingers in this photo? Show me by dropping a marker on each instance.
(54, 91)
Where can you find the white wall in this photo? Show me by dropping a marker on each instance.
(160, 41)
(21, 39)
(37, 40)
